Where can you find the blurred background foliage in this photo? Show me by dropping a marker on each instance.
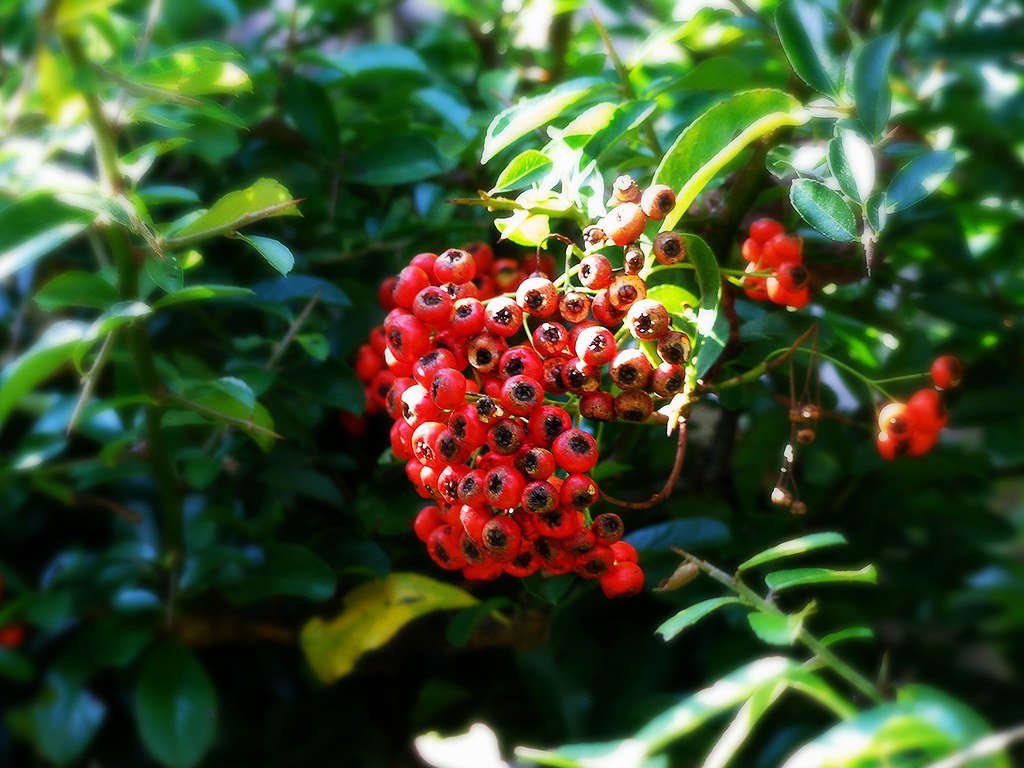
(373, 115)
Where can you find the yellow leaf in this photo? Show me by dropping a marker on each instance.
(373, 614)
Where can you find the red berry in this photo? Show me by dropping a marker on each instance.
(634, 405)
(763, 230)
(595, 272)
(443, 547)
(781, 248)
(503, 487)
(575, 451)
(929, 412)
(547, 423)
(448, 389)
(578, 491)
(624, 552)
(454, 266)
(751, 250)
(550, 339)
(598, 406)
(647, 319)
(410, 281)
(574, 307)
(427, 520)
(668, 248)
(468, 318)
(595, 346)
(506, 437)
(947, 372)
(607, 528)
(504, 317)
(536, 463)
(674, 347)
(624, 223)
(520, 395)
(435, 360)
(433, 306)
(897, 421)
(668, 379)
(595, 563)
(625, 290)
(539, 496)
(502, 538)
(471, 488)
(484, 351)
(520, 361)
(537, 296)
(623, 579)
(580, 377)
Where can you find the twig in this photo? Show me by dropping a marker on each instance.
(812, 643)
(760, 370)
(670, 483)
(120, 510)
(213, 413)
(90, 379)
(290, 334)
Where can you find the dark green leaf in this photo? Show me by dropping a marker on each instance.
(166, 272)
(688, 533)
(806, 29)
(14, 666)
(284, 569)
(918, 179)
(398, 160)
(175, 706)
(871, 92)
(309, 107)
(798, 577)
(201, 293)
(793, 547)
(516, 121)
(65, 720)
(712, 331)
(76, 289)
(275, 252)
(824, 210)
(691, 615)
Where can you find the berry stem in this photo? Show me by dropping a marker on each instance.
(821, 652)
(670, 483)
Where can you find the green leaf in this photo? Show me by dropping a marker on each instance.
(850, 633)
(921, 727)
(166, 272)
(852, 164)
(284, 569)
(262, 200)
(673, 297)
(309, 107)
(797, 577)
(793, 547)
(805, 29)
(31, 227)
(516, 121)
(712, 335)
(315, 345)
(52, 350)
(227, 401)
(374, 612)
(76, 289)
(522, 170)
(275, 252)
(193, 69)
(823, 209)
(714, 139)
(687, 533)
(72, 11)
(742, 725)
(201, 293)
(691, 615)
(398, 160)
(464, 623)
(871, 92)
(775, 629)
(175, 706)
(373, 59)
(918, 179)
(14, 666)
(64, 720)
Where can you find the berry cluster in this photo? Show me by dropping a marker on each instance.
(912, 428)
(483, 366)
(770, 249)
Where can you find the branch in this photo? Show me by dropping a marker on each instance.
(670, 483)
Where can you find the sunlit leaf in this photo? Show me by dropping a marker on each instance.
(273, 251)
(823, 209)
(918, 179)
(374, 612)
(852, 164)
(691, 615)
(262, 200)
(806, 29)
(76, 289)
(798, 577)
(793, 547)
(522, 170)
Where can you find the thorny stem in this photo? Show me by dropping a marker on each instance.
(670, 483)
(139, 347)
(752, 599)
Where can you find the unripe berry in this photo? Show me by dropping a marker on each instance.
(624, 223)
(537, 296)
(574, 307)
(647, 319)
(595, 272)
(633, 406)
(669, 248)
(658, 201)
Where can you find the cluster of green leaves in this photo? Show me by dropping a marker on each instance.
(181, 511)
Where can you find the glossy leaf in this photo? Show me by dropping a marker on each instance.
(193, 69)
(522, 170)
(399, 160)
(805, 29)
(871, 91)
(273, 251)
(40, 361)
(918, 179)
(739, 730)
(262, 200)
(175, 706)
(798, 577)
(688, 533)
(823, 209)
(714, 139)
(691, 615)
(518, 120)
(851, 633)
(775, 629)
(374, 612)
(852, 164)
(309, 106)
(76, 289)
(31, 227)
(201, 293)
(676, 299)
(166, 272)
(712, 335)
(793, 547)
